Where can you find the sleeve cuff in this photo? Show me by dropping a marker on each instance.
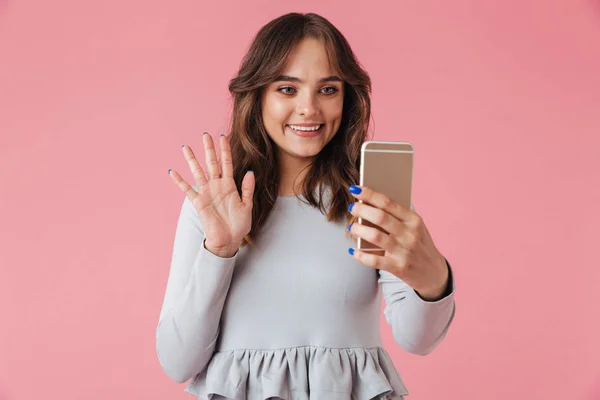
(449, 292)
(216, 257)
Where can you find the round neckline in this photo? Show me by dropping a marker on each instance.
(301, 195)
(292, 196)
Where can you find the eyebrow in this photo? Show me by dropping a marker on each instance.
(332, 78)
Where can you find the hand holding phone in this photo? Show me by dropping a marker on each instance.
(386, 167)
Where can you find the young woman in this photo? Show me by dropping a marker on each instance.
(263, 300)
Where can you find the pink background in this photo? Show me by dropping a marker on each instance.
(500, 98)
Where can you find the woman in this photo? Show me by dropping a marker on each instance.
(263, 300)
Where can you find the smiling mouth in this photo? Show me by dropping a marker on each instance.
(307, 132)
(299, 128)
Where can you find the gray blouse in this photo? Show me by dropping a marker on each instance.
(295, 317)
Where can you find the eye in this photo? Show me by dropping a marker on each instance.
(286, 90)
(330, 89)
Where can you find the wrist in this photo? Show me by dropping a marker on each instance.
(440, 291)
(223, 252)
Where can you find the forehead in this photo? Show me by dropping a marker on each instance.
(309, 61)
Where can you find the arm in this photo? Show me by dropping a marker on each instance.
(197, 286)
(418, 326)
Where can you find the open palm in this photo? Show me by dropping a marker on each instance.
(225, 216)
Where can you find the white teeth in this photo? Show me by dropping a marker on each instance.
(305, 128)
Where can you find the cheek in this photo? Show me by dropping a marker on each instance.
(334, 109)
(276, 110)
(334, 113)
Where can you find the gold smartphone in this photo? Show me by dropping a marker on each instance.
(386, 167)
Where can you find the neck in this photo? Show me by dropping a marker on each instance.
(293, 170)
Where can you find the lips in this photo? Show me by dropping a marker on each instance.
(305, 133)
(305, 126)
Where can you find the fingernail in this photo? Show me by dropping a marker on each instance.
(170, 171)
(350, 207)
(350, 226)
(222, 134)
(182, 145)
(354, 189)
(205, 133)
(351, 251)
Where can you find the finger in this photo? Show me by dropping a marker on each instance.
(189, 191)
(227, 163)
(373, 260)
(383, 202)
(378, 217)
(212, 164)
(374, 236)
(194, 165)
(248, 184)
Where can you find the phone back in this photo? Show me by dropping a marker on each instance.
(386, 167)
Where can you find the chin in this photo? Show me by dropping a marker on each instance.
(303, 152)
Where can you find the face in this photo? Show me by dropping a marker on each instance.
(302, 109)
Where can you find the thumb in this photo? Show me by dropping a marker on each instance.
(248, 188)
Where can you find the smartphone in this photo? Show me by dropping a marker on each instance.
(386, 167)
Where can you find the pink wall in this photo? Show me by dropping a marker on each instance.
(500, 98)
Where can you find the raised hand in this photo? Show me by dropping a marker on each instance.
(225, 216)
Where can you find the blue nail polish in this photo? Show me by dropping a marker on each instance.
(354, 189)
(182, 145)
(205, 133)
(350, 207)
(350, 226)
(351, 251)
(222, 134)
(170, 171)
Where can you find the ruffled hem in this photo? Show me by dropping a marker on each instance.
(299, 373)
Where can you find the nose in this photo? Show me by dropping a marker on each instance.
(307, 105)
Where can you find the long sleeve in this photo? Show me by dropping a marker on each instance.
(196, 290)
(418, 326)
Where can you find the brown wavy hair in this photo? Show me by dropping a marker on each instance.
(337, 164)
